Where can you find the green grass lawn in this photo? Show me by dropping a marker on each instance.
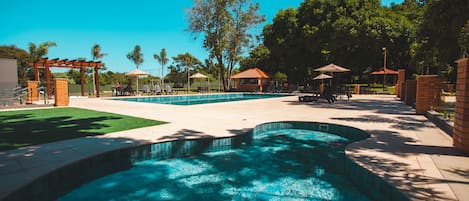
(31, 127)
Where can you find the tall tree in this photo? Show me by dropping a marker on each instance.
(37, 52)
(439, 33)
(136, 56)
(187, 61)
(464, 40)
(163, 60)
(283, 40)
(258, 57)
(97, 54)
(225, 25)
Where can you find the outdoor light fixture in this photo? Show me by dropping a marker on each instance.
(384, 68)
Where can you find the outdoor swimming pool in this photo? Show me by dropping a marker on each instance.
(279, 163)
(200, 99)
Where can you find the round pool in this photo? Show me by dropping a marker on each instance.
(279, 163)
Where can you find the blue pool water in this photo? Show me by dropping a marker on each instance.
(285, 164)
(200, 99)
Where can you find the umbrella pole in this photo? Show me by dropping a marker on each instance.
(137, 85)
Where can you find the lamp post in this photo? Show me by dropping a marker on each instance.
(384, 69)
(188, 80)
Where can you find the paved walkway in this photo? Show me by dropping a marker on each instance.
(405, 149)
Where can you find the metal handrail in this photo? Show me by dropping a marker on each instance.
(21, 93)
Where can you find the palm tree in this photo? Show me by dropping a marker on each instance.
(163, 60)
(37, 52)
(96, 52)
(40, 51)
(136, 56)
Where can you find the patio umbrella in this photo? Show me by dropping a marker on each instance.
(137, 73)
(200, 75)
(322, 77)
(332, 68)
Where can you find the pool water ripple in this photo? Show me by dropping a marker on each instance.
(286, 164)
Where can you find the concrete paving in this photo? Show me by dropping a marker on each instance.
(405, 149)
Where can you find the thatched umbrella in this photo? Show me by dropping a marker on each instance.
(200, 75)
(137, 73)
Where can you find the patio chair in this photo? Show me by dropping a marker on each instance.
(157, 89)
(128, 91)
(146, 89)
(168, 89)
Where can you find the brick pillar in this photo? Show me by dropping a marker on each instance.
(410, 90)
(33, 95)
(356, 89)
(400, 82)
(428, 93)
(61, 92)
(461, 114)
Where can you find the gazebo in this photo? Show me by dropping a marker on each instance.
(381, 72)
(252, 79)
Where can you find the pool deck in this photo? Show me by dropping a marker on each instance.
(405, 149)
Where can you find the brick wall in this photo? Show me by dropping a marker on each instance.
(61, 92)
(410, 91)
(461, 114)
(33, 95)
(400, 82)
(428, 93)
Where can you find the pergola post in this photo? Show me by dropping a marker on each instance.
(49, 90)
(82, 81)
(259, 84)
(96, 75)
(36, 72)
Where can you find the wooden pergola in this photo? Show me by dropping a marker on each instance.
(65, 63)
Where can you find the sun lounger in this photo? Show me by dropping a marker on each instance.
(308, 98)
(168, 90)
(316, 96)
(157, 89)
(146, 89)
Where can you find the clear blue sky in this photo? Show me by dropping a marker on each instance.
(115, 25)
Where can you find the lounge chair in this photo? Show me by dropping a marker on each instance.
(308, 98)
(146, 89)
(157, 89)
(326, 94)
(168, 89)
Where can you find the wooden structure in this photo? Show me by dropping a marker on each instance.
(385, 72)
(65, 63)
(252, 79)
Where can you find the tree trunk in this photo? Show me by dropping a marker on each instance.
(222, 72)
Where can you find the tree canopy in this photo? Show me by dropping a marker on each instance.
(422, 36)
(136, 56)
(225, 27)
(162, 58)
(349, 33)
